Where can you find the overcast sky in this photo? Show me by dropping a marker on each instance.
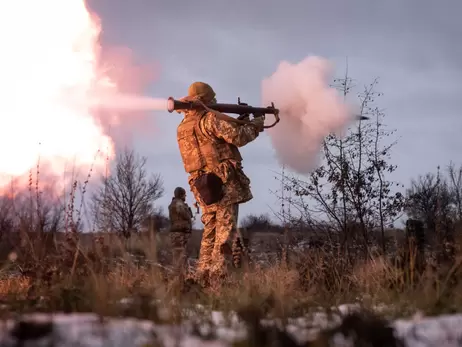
(414, 46)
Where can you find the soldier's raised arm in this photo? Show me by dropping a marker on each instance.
(236, 134)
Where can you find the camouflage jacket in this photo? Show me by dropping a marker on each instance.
(237, 184)
(180, 215)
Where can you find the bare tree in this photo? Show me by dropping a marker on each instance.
(430, 200)
(421, 200)
(258, 223)
(126, 198)
(7, 216)
(455, 181)
(157, 220)
(40, 211)
(387, 205)
(350, 186)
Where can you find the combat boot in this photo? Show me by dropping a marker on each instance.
(240, 253)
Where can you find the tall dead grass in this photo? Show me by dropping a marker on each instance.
(101, 275)
(110, 275)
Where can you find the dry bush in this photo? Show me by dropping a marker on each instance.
(85, 271)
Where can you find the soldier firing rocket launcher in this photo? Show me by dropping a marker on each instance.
(242, 109)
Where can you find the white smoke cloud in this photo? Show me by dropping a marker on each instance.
(309, 109)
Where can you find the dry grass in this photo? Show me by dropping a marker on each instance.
(18, 285)
(81, 275)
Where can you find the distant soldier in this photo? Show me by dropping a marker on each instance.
(209, 149)
(180, 215)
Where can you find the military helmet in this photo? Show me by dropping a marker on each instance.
(201, 90)
(179, 192)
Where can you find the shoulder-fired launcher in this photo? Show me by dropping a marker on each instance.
(242, 109)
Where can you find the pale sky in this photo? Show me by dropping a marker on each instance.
(413, 46)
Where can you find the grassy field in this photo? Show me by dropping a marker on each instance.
(54, 273)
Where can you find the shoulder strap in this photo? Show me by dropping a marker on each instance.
(225, 117)
(196, 131)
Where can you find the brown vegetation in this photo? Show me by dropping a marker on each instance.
(74, 274)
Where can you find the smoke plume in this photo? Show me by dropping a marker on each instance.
(309, 110)
(122, 110)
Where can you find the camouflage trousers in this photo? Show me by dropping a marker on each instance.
(240, 249)
(221, 246)
(179, 241)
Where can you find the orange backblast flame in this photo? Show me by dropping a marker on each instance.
(50, 55)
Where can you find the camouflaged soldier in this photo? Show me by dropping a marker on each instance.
(180, 215)
(209, 148)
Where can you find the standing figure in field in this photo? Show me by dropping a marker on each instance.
(209, 149)
(180, 215)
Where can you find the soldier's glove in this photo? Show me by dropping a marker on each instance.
(259, 123)
(244, 116)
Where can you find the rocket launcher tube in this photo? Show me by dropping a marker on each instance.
(239, 108)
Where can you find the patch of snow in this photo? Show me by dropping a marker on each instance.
(90, 330)
(445, 330)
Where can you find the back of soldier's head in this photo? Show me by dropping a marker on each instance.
(179, 193)
(203, 91)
